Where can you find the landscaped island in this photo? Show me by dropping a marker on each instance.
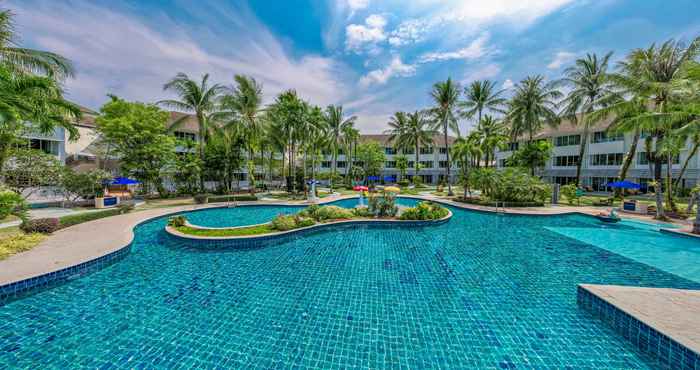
(381, 209)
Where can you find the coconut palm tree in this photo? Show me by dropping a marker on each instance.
(243, 103)
(410, 131)
(492, 134)
(351, 135)
(36, 99)
(482, 96)
(533, 105)
(591, 88)
(25, 60)
(445, 95)
(336, 123)
(197, 98)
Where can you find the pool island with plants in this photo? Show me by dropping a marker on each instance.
(380, 210)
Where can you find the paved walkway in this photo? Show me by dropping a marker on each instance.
(90, 240)
(672, 312)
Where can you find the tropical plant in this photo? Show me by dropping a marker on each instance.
(84, 185)
(139, 137)
(410, 132)
(511, 185)
(424, 211)
(12, 203)
(402, 166)
(336, 123)
(533, 105)
(591, 89)
(533, 155)
(289, 114)
(372, 156)
(197, 98)
(27, 61)
(27, 170)
(445, 97)
(482, 96)
(491, 134)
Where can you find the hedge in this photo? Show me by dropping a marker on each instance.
(71, 220)
(231, 198)
(491, 203)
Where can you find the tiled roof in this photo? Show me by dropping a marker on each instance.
(438, 140)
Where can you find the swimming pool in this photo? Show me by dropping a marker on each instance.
(482, 290)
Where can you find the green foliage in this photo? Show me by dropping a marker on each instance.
(325, 213)
(288, 222)
(177, 221)
(139, 137)
(510, 185)
(12, 203)
(202, 198)
(188, 168)
(424, 211)
(533, 155)
(231, 198)
(373, 157)
(29, 169)
(40, 225)
(238, 231)
(383, 205)
(19, 242)
(402, 166)
(83, 184)
(403, 183)
(570, 193)
(362, 212)
(80, 218)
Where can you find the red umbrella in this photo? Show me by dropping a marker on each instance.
(360, 188)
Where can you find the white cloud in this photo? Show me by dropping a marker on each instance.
(360, 37)
(408, 32)
(516, 12)
(482, 72)
(355, 5)
(381, 76)
(507, 84)
(560, 59)
(474, 50)
(116, 53)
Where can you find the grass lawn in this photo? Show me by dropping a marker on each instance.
(9, 218)
(241, 231)
(13, 240)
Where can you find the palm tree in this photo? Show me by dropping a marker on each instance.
(25, 60)
(197, 98)
(492, 134)
(445, 97)
(243, 103)
(337, 123)
(481, 96)
(533, 105)
(351, 135)
(410, 131)
(36, 99)
(591, 90)
(317, 136)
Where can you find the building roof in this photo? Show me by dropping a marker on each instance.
(567, 127)
(383, 139)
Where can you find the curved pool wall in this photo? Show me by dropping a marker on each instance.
(482, 290)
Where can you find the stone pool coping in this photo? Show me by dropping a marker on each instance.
(74, 249)
(661, 322)
(364, 221)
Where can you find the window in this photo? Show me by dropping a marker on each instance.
(601, 183)
(326, 164)
(341, 151)
(390, 164)
(184, 135)
(564, 180)
(409, 151)
(606, 159)
(443, 150)
(567, 140)
(426, 164)
(566, 161)
(442, 164)
(358, 163)
(389, 151)
(326, 152)
(502, 163)
(510, 147)
(47, 146)
(603, 137)
(341, 164)
(426, 150)
(427, 179)
(643, 160)
(411, 164)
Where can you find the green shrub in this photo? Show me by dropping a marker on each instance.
(201, 198)
(40, 225)
(71, 220)
(569, 192)
(231, 198)
(126, 207)
(362, 212)
(513, 185)
(309, 211)
(424, 211)
(305, 221)
(288, 222)
(12, 203)
(177, 221)
(404, 183)
(383, 205)
(331, 213)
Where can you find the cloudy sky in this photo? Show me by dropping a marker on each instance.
(374, 57)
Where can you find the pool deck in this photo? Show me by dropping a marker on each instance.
(672, 312)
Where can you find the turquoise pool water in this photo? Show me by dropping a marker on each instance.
(481, 291)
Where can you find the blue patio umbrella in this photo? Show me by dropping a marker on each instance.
(123, 181)
(623, 185)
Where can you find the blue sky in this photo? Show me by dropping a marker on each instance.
(374, 57)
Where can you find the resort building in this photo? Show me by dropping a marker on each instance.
(603, 158)
(433, 159)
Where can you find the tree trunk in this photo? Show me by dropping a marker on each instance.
(629, 158)
(416, 165)
(200, 121)
(333, 165)
(660, 214)
(447, 153)
(581, 153)
(669, 183)
(691, 154)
